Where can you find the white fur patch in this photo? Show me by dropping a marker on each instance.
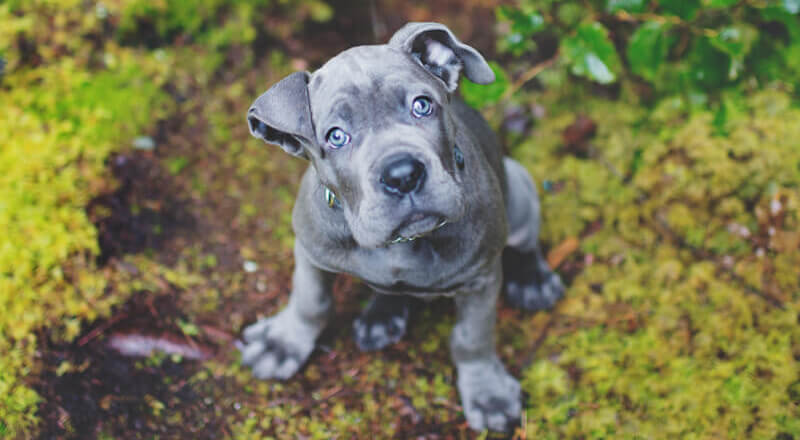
(442, 62)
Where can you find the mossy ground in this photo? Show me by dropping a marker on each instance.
(681, 314)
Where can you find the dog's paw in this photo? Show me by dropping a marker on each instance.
(535, 294)
(276, 348)
(381, 324)
(491, 397)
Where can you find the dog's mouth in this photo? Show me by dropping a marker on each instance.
(418, 225)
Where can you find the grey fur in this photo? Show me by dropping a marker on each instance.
(382, 323)
(446, 238)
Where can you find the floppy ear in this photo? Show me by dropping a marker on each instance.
(282, 115)
(440, 52)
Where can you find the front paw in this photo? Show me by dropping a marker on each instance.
(529, 282)
(277, 347)
(381, 324)
(535, 293)
(490, 396)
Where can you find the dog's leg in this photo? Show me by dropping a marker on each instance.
(490, 396)
(529, 282)
(383, 322)
(278, 346)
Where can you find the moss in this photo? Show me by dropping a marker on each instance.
(60, 122)
(702, 354)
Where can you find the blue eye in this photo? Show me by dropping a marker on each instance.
(337, 138)
(422, 106)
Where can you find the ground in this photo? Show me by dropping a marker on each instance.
(676, 237)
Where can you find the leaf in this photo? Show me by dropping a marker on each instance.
(648, 49)
(708, 66)
(722, 3)
(626, 5)
(320, 11)
(590, 53)
(684, 9)
(477, 95)
(177, 164)
(736, 41)
(523, 24)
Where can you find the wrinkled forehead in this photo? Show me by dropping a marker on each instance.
(357, 74)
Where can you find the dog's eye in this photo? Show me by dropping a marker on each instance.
(337, 138)
(422, 106)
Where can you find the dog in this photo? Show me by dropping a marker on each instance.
(407, 190)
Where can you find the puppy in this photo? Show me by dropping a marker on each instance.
(408, 190)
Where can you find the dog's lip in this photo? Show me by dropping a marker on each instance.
(418, 225)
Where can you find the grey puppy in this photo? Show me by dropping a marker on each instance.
(407, 190)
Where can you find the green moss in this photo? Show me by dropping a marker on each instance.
(675, 344)
(59, 123)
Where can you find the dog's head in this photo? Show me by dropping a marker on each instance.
(375, 122)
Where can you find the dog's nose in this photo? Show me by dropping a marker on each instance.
(403, 176)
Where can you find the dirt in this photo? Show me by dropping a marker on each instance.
(111, 393)
(143, 213)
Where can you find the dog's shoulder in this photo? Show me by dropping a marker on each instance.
(474, 125)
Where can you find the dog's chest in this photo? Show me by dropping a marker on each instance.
(418, 268)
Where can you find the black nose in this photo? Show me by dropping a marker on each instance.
(403, 176)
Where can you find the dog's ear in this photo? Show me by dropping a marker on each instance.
(440, 52)
(282, 115)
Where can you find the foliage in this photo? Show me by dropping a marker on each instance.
(215, 25)
(674, 46)
(477, 94)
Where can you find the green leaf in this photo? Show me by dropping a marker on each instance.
(626, 5)
(648, 49)
(478, 95)
(320, 11)
(721, 3)
(684, 9)
(736, 41)
(590, 53)
(523, 24)
(177, 164)
(708, 66)
(571, 13)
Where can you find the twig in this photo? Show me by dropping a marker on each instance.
(100, 329)
(539, 340)
(664, 19)
(528, 75)
(523, 79)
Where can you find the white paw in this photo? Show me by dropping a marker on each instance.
(277, 347)
(490, 396)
